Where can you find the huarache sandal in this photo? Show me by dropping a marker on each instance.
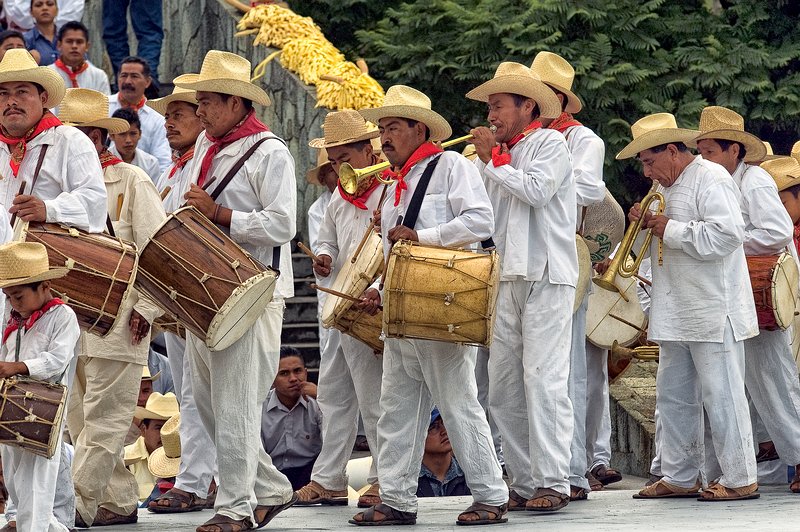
(766, 452)
(516, 502)
(390, 517)
(718, 492)
(606, 475)
(795, 484)
(272, 511)
(577, 493)
(371, 497)
(594, 484)
(662, 489)
(223, 523)
(486, 514)
(176, 501)
(555, 500)
(314, 493)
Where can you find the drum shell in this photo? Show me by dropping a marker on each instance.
(169, 324)
(362, 327)
(774, 280)
(21, 397)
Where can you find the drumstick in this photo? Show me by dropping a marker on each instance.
(165, 192)
(120, 199)
(307, 251)
(339, 294)
(645, 280)
(626, 322)
(208, 183)
(21, 192)
(369, 229)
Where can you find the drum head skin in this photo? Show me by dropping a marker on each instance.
(602, 328)
(602, 227)
(785, 278)
(253, 295)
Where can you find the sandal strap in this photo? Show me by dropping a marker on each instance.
(483, 510)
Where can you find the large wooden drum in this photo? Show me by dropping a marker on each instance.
(615, 316)
(31, 414)
(774, 279)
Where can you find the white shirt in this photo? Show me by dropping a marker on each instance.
(154, 135)
(6, 234)
(70, 181)
(178, 184)
(535, 209)
(316, 213)
(143, 160)
(588, 155)
(344, 226)
(263, 196)
(703, 281)
(91, 78)
(19, 12)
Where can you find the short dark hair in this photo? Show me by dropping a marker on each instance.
(289, 351)
(7, 34)
(128, 114)
(794, 190)
(412, 123)
(661, 147)
(725, 144)
(33, 286)
(88, 130)
(359, 145)
(519, 99)
(139, 61)
(72, 25)
(248, 104)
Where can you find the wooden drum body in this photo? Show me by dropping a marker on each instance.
(774, 279)
(31, 414)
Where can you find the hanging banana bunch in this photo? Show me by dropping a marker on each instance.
(309, 58)
(349, 86)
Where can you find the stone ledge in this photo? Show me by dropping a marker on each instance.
(633, 399)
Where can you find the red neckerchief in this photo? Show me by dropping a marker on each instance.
(563, 122)
(250, 125)
(134, 107)
(108, 159)
(72, 72)
(179, 162)
(16, 320)
(426, 149)
(797, 237)
(500, 159)
(19, 146)
(359, 200)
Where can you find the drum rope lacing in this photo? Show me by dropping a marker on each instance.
(17, 399)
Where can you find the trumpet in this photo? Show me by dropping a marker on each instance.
(640, 352)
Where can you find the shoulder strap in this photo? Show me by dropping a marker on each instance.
(412, 212)
(238, 166)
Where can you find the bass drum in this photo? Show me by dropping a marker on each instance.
(615, 315)
(584, 272)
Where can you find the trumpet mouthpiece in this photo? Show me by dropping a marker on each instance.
(493, 128)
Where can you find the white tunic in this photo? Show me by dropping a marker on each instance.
(316, 213)
(588, 154)
(91, 78)
(154, 134)
(179, 184)
(343, 228)
(143, 160)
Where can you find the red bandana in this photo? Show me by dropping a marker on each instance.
(134, 107)
(72, 72)
(500, 159)
(18, 146)
(250, 125)
(425, 150)
(563, 122)
(797, 237)
(16, 320)
(108, 159)
(179, 162)
(359, 201)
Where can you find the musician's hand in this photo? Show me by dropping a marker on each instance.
(308, 389)
(658, 224)
(9, 369)
(29, 208)
(376, 219)
(636, 212)
(199, 198)
(602, 266)
(401, 232)
(370, 301)
(139, 327)
(322, 266)
(484, 142)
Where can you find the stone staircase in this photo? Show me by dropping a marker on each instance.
(300, 328)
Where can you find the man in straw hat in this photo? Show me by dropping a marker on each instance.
(588, 155)
(701, 308)
(64, 187)
(350, 374)
(164, 463)
(110, 368)
(257, 208)
(528, 175)
(455, 211)
(38, 341)
(770, 369)
(153, 417)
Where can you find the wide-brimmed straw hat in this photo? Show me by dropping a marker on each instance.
(404, 102)
(226, 73)
(796, 150)
(312, 176)
(165, 462)
(146, 374)
(179, 94)
(89, 108)
(26, 262)
(516, 78)
(770, 155)
(344, 127)
(19, 65)
(722, 123)
(158, 407)
(784, 170)
(655, 130)
(556, 72)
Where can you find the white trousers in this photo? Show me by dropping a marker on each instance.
(349, 381)
(598, 409)
(482, 380)
(197, 449)
(229, 389)
(418, 374)
(655, 465)
(693, 375)
(578, 384)
(529, 374)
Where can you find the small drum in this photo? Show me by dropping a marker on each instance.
(775, 285)
(209, 283)
(612, 315)
(353, 279)
(31, 413)
(443, 294)
(101, 270)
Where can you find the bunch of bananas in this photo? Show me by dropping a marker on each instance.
(346, 86)
(310, 58)
(277, 25)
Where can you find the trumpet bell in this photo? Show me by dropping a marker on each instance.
(350, 178)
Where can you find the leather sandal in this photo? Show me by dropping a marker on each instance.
(486, 513)
(606, 475)
(718, 492)
(177, 501)
(105, 517)
(390, 517)
(516, 502)
(371, 497)
(664, 490)
(766, 452)
(314, 493)
(223, 523)
(273, 510)
(577, 493)
(555, 500)
(594, 484)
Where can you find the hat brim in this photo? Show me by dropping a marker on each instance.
(143, 413)
(161, 465)
(153, 378)
(159, 105)
(112, 125)
(312, 176)
(50, 81)
(439, 127)
(234, 87)
(545, 98)
(320, 142)
(655, 138)
(53, 273)
(756, 151)
(574, 103)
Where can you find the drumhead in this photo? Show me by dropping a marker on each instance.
(244, 306)
(601, 328)
(785, 278)
(603, 226)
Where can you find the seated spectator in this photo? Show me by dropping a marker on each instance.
(73, 66)
(147, 21)
(42, 37)
(159, 365)
(291, 421)
(18, 13)
(13, 39)
(165, 462)
(124, 145)
(145, 391)
(440, 475)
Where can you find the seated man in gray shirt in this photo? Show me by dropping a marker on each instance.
(291, 421)
(440, 475)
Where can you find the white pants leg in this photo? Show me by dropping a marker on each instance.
(416, 375)
(64, 501)
(31, 483)
(598, 408)
(694, 375)
(482, 380)
(197, 449)
(229, 388)
(577, 396)
(655, 465)
(529, 362)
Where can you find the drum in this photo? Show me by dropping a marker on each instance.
(774, 279)
(443, 294)
(31, 413)
(353, 279)
(602, 227)
(584, 272)
(169, 324)
(101, 270)
(612, 315)
(209, 283)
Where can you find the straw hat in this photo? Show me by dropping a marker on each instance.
(404, 102)
(158, 407)
(178, 95)
(655, 130)
(721, 123)
(26, 262)
(312, 176)
(19, 65)
(556, 72)
(89, 108)
(770, 155)
(344, 127)
(469, 152)
(146, 374)
(784, 170)
(165, 462)
(516, 78)
(226, 73)
(796, 150)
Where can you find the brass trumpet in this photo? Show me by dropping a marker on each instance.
(620, 358)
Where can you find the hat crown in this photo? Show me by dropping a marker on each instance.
(509, 68)
(784, 170)
(404, 95)
(768, 146)
(554, 69)
(170, 437)
(224, 65)
(17, 59)
(163, 405)
(322, 156)
(796, 150)
(22, 259)
(715, 118)
(652, 123)
(184, 78)
(341, 126)
(80, 106)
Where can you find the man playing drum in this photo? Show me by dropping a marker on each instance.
(455, 211)
(350, 374)
(257, 208)
(701, 312)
